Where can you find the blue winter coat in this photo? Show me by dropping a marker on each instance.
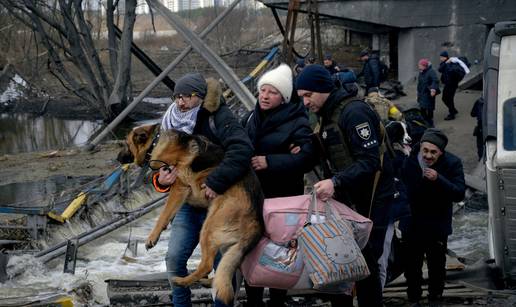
(426, 81)
(431, 201)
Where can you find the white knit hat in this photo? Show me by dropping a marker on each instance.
(281, 78)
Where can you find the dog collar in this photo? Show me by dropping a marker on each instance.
(155, 140)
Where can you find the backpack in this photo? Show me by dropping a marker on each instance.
(456, 72)
(416, 124)
(465, 60)
(384, 72)
(346, 76)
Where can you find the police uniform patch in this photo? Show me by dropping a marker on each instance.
(364, 131)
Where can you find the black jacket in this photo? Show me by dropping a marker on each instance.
(332, 68)
(371, 71)
(272, 134)
(354, 184)
(427, 80)
(229, 134)
(431, 201)
(451, 73)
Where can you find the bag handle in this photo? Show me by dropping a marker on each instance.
(312, 207)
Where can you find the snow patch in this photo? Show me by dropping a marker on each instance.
(14, 90)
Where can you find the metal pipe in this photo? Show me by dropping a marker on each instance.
(225, 72)
(146, 60)
(101, 230)
(158, 79)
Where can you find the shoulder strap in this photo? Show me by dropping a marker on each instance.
(378, 172)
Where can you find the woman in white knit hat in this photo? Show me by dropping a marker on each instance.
(279, 130)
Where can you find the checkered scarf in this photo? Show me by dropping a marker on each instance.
(174, 118)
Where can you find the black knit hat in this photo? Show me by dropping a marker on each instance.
(191, 83)
(444, 53)
(436, 137)
(315, 78)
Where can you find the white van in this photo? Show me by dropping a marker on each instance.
(499, 122)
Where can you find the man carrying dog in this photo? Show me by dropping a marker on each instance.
(198, 109)
(357, 170)
(434, 179)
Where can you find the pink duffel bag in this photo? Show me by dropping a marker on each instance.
(276, 261)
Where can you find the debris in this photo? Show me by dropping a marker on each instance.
(51, 154)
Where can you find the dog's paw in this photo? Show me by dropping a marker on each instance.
(152, 240)
(150, 243)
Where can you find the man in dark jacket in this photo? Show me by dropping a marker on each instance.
(356, 169)
(434, 179)
(427, 89)
(330, 64)
(450, 77)
(198, 108)
(370, 70)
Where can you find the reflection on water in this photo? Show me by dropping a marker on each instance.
(22, 133)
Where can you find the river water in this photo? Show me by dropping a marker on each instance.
(96, 261)
(104, 258)
(24, 133)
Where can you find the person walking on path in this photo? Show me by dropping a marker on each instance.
(371, 69)
(427, 89)
(451, 74)
(434, 179)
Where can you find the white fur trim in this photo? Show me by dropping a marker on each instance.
(281, 78)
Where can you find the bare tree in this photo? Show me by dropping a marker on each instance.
(73, 58)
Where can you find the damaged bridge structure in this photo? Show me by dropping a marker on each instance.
(405, 31)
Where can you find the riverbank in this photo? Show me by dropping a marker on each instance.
(70, 162)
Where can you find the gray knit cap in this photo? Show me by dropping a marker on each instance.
(191, 83)
(436, 137)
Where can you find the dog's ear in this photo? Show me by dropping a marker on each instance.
(140, 137)
(142, 134)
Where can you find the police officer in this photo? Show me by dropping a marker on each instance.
(358, 172)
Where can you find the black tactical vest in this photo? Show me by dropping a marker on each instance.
(336, 144)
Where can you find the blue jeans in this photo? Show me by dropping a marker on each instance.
(185, 230)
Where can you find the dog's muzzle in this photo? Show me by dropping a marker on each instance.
(125, 155)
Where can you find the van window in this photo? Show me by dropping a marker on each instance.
(507, 90)
(509, 122)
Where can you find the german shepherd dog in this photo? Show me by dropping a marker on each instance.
(234, 222)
